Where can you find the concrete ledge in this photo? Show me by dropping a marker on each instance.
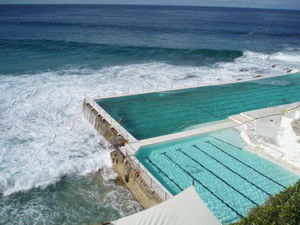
(185, 134)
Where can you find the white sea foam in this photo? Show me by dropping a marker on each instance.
(74, 200)
(292, 58)
(43, 135)
(120, 199)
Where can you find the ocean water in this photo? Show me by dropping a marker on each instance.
(54, 168)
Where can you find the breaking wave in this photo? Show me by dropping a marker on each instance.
(97, 56)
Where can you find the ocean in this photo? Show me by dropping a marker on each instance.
(54, 168)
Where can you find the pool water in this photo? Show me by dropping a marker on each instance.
(229, 179)
(154, 114)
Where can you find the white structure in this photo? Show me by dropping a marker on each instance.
(273, 130)
(184, 208)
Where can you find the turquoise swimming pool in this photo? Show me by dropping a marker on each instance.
(160, 113)
(229, 179)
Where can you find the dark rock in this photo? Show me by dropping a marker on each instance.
(190, 76)
(118, 181)
(127, 178)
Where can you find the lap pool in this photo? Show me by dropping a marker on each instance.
(229, 179)
(160, 113)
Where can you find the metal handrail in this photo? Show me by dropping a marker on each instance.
(137, 167)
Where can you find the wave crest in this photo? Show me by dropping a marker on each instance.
(57, 54)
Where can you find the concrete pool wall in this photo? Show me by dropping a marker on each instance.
(143, 185)
(105, 124)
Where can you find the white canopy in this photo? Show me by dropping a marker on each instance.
(185, 208)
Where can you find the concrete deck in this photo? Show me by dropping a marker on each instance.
(127, 145)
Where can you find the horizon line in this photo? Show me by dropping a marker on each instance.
(145, 4)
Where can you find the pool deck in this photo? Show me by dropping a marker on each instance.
(148, 190)
(132, 145)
